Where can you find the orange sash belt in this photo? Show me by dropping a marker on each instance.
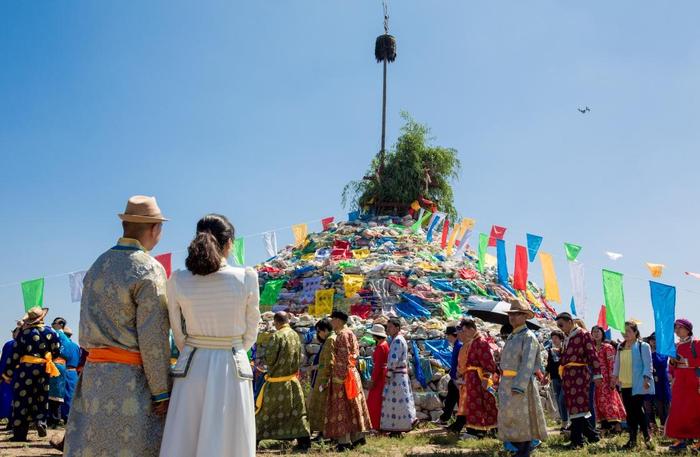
(351, 389)
(114, 355)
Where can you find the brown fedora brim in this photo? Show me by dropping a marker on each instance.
(142, 219)
(523, 311)
(44, 313)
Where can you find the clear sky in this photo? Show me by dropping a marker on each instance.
(263, 110)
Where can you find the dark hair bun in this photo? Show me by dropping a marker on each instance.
(204, 254)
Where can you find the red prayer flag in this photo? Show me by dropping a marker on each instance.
(602, 318)
(361, 309)
(496, 234)
(167, 261)
(466, 273)
(521, 263)
(400, 281)
(445, 229)
(327, 222)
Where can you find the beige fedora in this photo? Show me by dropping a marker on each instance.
(519, 306)
(34, 316)
(143, 210)
(378, 330)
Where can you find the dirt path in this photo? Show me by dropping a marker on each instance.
(36, 446)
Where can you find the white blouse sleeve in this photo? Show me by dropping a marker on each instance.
(175, 314)
(252, 308)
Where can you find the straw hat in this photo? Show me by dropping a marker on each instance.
(519, 306)
(378, 330)
(143, 210)
(34, 316)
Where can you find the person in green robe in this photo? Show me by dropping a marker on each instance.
(321, 375)
(280, 408)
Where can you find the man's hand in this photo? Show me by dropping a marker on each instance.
(160, 409)
(646, 385)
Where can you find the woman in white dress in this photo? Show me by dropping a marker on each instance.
(214, 314)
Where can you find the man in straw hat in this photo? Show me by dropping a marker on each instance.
(578, 358)
(122, 395)
(29, 368)
(376, 384)
(520, 414)
(347, 417)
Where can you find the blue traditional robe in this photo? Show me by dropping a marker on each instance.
(6, 389)
(71, 352)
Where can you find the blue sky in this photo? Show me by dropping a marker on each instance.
(264, 110)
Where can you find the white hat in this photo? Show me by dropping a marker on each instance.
(378, 330)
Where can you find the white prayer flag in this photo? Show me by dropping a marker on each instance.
(270, 240)
(613, 255)
(578, 288)
(76, 285)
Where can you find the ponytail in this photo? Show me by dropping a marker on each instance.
(206, 250)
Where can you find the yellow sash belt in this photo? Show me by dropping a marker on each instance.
(510, 373)
(51, 369)
(480, 372)
(570, 364)
(268, 379)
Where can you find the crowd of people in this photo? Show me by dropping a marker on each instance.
(122, 393)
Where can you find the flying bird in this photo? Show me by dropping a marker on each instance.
(583, 110)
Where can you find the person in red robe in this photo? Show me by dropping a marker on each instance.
(684, 416)
(609, 410)
(376, 384)
(578, 359)
(478, 399)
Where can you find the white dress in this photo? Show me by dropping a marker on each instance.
(212, 413)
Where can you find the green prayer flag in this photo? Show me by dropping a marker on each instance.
(239, 251)
(33, 293)
(572, 251)
(614, 299)
(483, 245)
(417, 225)
(271, 292)
(452, 308)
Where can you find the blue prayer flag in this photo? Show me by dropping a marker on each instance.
(663, 300)
(573, 307)
(353, 216)
(533, 245)
(502, 263)
(417, 367)
(435, 221)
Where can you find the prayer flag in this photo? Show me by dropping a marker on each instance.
(271, 291)
(521, 264)
(417, 368)
(239, 251)
(602, 320)
(167, 261)
(692, 275)
(300, 231)
(76, 285)
(572, 251)
(613, 255)
(270, 241)
(533, 245)
(614, 299)
(324, 301)
(310, 286)
(415, 206)
(663, 300)
(551, 286)
(496, 234)
(453, 236)
(572, 305)
(483, 245)
(656, 269)
(417, 225)
(362, 253)
(445, 229)
(326, 223)
(502, 265)
(352, 284)
(578, 287)
(451, 308)
(33, 293)
(353, 216)
(431, 226)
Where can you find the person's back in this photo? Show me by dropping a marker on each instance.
(214, 314)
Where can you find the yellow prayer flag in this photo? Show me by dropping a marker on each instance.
(470, 223)
(551, 286)
(300, 231)
(656, 269)
(353, 284)
(415, 205)
(362, 253)
(491, 260)
(309, 256)
(453, 237)
(324, 301)
(312, 310)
